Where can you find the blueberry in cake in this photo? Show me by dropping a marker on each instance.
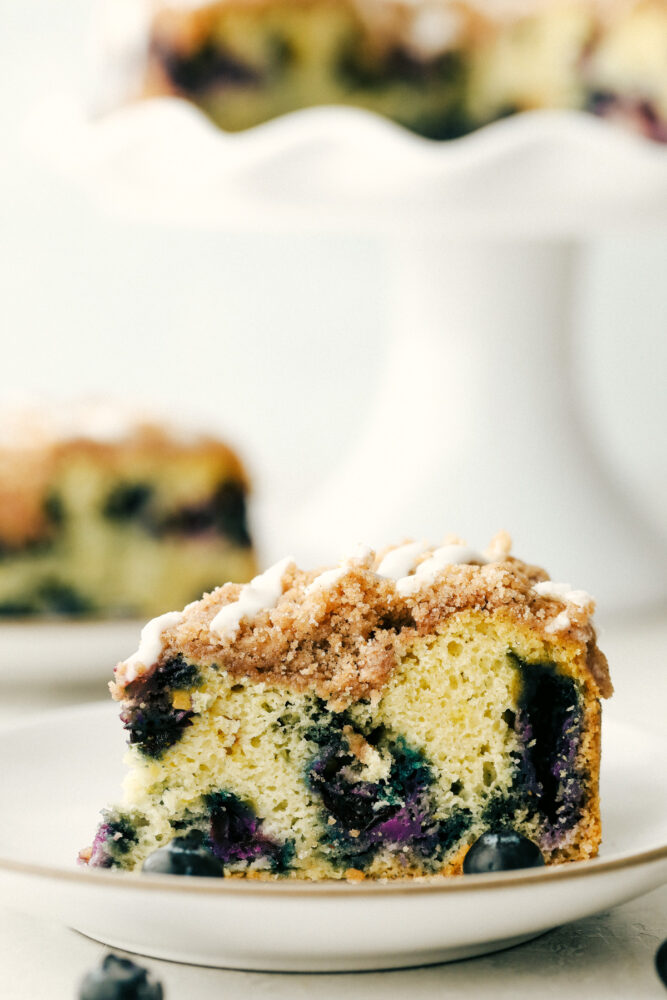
(373, 720)
(189, 855)
(439, 67)
(501, 850)
(106, 514)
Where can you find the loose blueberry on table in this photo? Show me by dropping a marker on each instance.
(186, 855)
(501, 851)
(119, 979)
(661, 962)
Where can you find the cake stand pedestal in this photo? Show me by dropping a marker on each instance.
(476, 421)
(476, 424)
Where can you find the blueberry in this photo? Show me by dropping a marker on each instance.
(224, 512)
(500, 851)
(149, 715)
(119, 979)
(661, 962)
(127, 501)
(209, 66)
(62, 599)
(186, 855)
(356, 806)
(54, 510)
(229, 510)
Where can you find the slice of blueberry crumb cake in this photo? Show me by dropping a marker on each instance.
(374, 720)
(110, 513)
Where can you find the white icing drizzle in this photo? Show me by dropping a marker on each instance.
(563, 592)
(361, 554)
(150, 644)
(428, 571)
(401, 561)
(580, 597)
(325, 580)
(560, 623)
(556, 591)
(262, 593)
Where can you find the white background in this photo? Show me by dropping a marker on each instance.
(277, 339)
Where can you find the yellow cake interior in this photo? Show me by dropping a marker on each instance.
(451, 703)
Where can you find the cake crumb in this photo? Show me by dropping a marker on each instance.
(354, 875)
(182, 701)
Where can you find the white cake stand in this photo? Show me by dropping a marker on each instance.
(476, 424)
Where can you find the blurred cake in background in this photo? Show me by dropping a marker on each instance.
(439, 67)
(105, 513)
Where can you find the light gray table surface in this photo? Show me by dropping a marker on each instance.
(605, 956)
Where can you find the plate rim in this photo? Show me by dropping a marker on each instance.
(63, 653)
(330, 888)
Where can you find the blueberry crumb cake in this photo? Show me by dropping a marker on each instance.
(106, 513)
(439, 67)
(383, 718)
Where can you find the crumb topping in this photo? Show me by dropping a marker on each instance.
(150, 645)
(431, 566)
(340, 631)
(262, 593)
(563, 591)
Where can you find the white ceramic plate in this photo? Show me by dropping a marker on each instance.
(60, 769)
(62, 652)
